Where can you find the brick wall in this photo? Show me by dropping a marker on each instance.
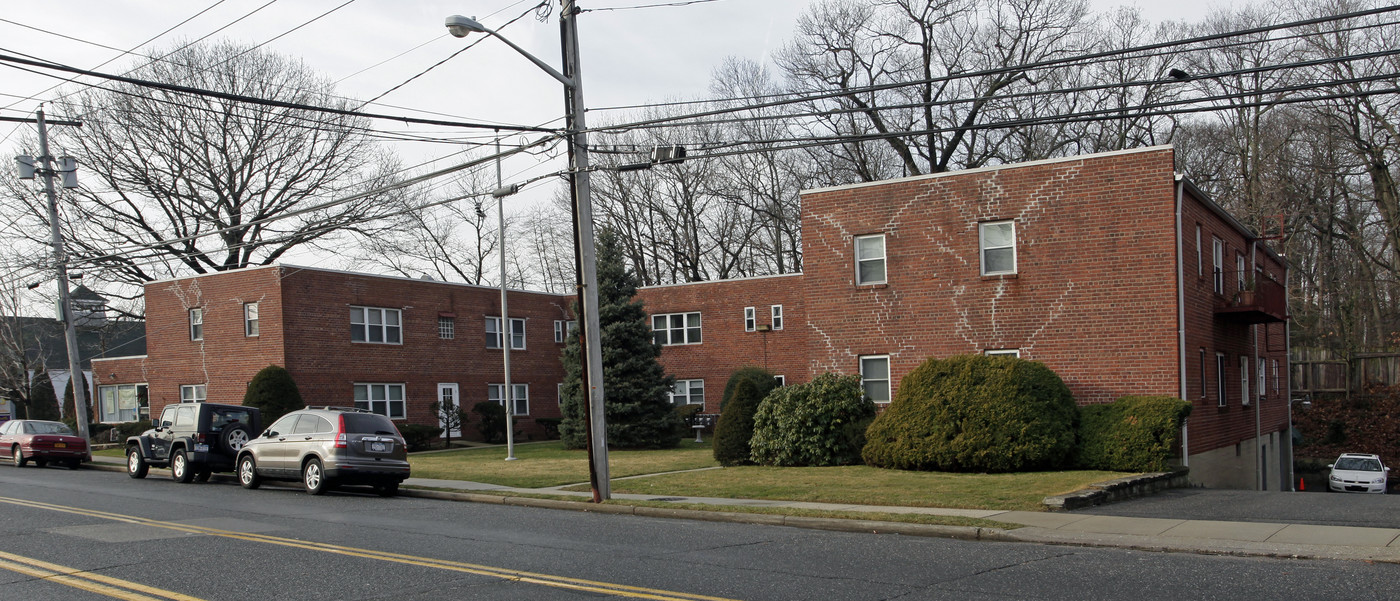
(727, 345)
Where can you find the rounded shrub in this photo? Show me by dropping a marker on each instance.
(735, 427)
(1132, 434)
(974, 413)
(274, 393)
(762, 379)
(818, 423)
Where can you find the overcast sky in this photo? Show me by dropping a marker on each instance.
(629, 56)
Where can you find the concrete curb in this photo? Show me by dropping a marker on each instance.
(815, 523)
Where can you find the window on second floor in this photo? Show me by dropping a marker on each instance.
(250, 319)
(447, 327)
(676, 328)
(376, 325)
(562, 329)
(1241, 276)
(750, 319)
(517, 333)
(1217, 264)
(777, 313)
(870, 259)
(998, 243)
(197, 323)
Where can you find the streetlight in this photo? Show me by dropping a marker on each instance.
(460, 26)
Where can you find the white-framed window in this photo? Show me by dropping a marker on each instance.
(1240, 275)
(517, 333)
(688, 392)
(562, 329)
(1244, 380)
(376, 325)
(875, 377)
(1003, 352)
(1262, 389)
(782, 380)
(384, 399)
(1200, 263)
(776, 311)
(1276, 386)
(998, 244)
(870, 259)
(250, 319)
(559, 388)
(193, 393)
(520, 395)
(197, 323)
(123, 403)
(1217, 264)
(676, 328)
(750, 319)
(447, 327)
(1220, 379)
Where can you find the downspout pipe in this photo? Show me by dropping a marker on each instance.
(1258, 394)
(1181, 314)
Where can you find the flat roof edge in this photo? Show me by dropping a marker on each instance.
(743, 279)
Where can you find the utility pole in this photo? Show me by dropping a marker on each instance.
(70, 327)
(507, 333)
(590, 328)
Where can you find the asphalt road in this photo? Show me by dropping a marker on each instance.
(1321, 508)
(82, 535)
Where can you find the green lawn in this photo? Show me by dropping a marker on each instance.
(545, 464)
(864, 485)
(548, 464)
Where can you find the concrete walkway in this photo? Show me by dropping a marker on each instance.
(1082, 528)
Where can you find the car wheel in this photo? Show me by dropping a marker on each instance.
(136, 466)
(180, 467)
(17, 457)
(388, 489)
(313, 477)
(235, 437)
(203, 475)
(248, 473)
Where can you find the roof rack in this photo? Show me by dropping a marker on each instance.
(335, 408)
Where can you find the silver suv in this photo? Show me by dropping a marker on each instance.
(325, 447)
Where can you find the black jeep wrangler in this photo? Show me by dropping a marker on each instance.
(193, 440)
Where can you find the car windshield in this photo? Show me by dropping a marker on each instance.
(1358, 464)
(47, 428)
(368, 423)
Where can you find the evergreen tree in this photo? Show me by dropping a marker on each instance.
(69, 412)
(43, 403)
(735, 427)
(637, 405)
(274, 393)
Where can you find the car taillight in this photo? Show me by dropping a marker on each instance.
(199, 437)
(340, 442)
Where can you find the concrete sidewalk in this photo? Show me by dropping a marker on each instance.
(1082, 528)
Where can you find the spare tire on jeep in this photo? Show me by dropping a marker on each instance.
(235, 436)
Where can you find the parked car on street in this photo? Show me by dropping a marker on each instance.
(25, 440)
(1355, 472)
(193, 440)
(324, 447)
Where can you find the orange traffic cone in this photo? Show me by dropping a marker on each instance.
(1300, 484)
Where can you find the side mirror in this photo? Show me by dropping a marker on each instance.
(1329, 466)
(269, 434)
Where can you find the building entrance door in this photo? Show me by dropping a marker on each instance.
(448, 401)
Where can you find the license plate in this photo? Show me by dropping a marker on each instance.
(201, 448)
(379, 447)
(60, 445)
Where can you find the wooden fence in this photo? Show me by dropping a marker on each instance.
(1320, 371)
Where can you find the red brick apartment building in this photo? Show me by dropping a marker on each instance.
(1111, 269)
(393, 345)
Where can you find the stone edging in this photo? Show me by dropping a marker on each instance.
(1118, 489)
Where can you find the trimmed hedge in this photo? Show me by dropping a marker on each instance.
(491, 422)
(735, 427)
(974, 413)
(819, 423)
(1132, 434)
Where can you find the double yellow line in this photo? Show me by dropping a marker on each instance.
(94, 583)
(549, 580)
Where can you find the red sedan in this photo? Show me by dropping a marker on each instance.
(42, 441)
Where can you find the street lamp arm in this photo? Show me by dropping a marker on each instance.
(460, 26)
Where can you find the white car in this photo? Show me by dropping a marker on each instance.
(1355, 472)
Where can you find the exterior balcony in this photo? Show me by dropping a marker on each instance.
(1260, 301)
